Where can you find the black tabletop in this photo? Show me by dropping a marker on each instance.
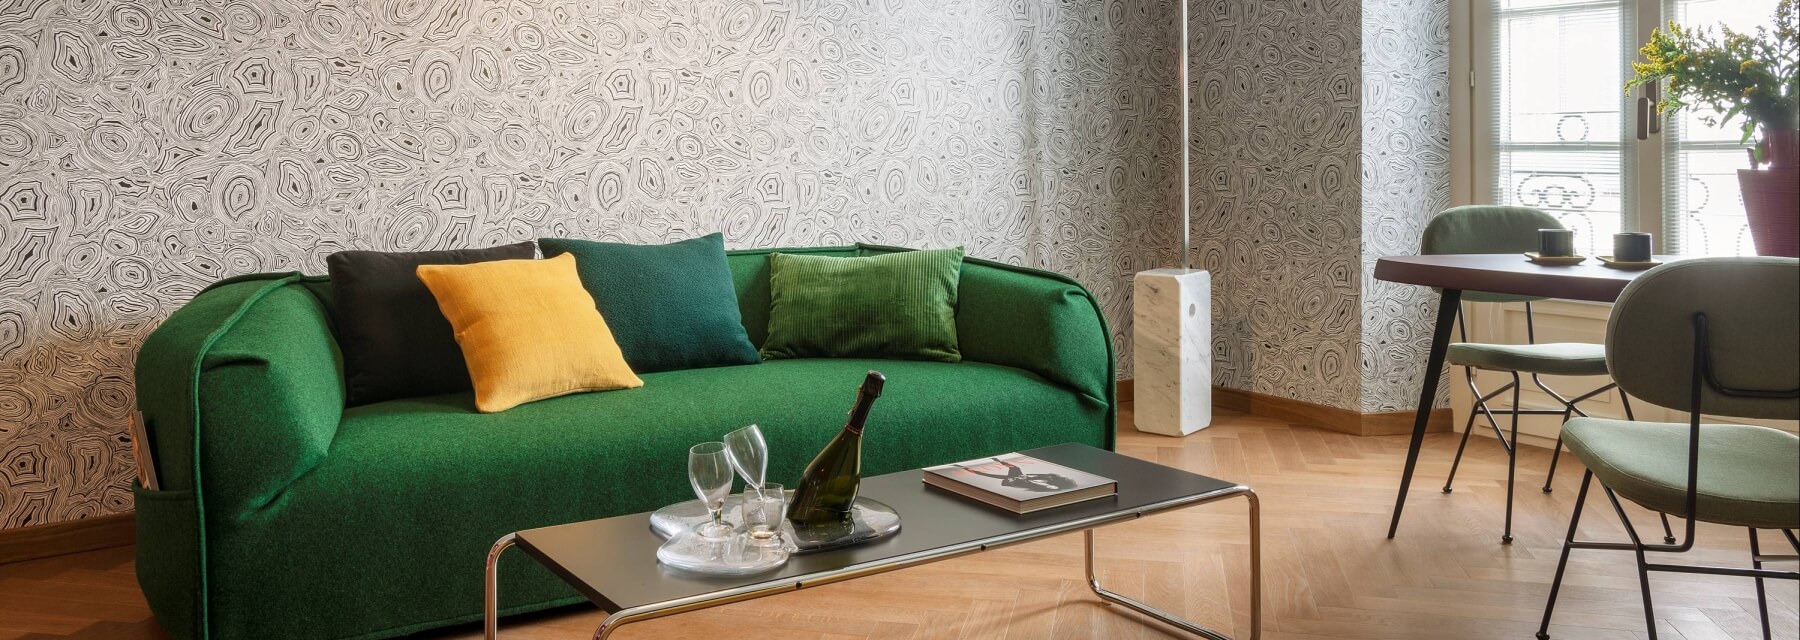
(613, 560)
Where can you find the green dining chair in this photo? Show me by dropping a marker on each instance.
(1506, 229)
(1719, 335)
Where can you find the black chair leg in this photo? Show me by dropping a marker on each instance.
(1643, 567)
(1643, 564)
(1587, 479)
(1512, 462)
(1762, 596)
(1668, 532)
(1556, 450)
(1480, 408)
(1457, 462)
(1555, 454)
(1569, 411)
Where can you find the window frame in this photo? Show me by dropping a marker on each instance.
(1474, 159)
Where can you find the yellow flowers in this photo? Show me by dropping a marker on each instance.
(1729, 73)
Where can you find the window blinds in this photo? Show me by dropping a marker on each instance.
(1557, 128)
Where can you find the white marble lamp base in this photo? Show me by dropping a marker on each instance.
(1172, 351)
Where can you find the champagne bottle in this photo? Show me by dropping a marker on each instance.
(829, 485)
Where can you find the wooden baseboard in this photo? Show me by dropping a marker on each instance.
(1384, 423)
(61, 538)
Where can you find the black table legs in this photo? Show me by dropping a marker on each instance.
(1434, 369)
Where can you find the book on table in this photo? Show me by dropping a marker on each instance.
(1019, 483)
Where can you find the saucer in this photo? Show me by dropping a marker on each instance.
(1554, 261)
(1628, 266)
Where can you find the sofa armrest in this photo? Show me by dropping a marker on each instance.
(242, 391)
(1038, 321)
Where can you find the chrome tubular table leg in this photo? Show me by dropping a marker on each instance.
(490, 611)
(491, 604)
(612, 623)
(1177, 621)
(750, 592)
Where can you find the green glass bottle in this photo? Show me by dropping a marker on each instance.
(829, 486)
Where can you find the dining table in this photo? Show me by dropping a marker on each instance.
(1509, 273)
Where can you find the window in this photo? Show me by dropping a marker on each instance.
(1554, 128)
(1702, 212)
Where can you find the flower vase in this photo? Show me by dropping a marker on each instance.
(1772, 196)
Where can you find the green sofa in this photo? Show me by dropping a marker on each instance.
(283, 514)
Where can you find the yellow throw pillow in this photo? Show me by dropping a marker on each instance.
(528, 330)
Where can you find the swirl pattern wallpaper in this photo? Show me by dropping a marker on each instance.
(1277, 134)
(149, 148)
(1321, 143)
(1405, 182)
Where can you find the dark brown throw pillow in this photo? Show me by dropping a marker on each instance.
(396, 343)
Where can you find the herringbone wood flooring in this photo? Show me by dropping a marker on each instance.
(1329, 572)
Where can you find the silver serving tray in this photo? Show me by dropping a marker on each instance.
(869, 520)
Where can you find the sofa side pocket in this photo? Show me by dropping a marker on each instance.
(168, 559)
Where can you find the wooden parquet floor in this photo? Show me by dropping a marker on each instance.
(1329, 573)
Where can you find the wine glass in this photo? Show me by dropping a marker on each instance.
(749, 454)
(710, 474)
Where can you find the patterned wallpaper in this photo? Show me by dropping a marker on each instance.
(148, 148)
(1321, 143)
(1405, 181)
(1277, 192)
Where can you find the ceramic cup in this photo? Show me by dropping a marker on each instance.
(1633, 246)
(1556, 242)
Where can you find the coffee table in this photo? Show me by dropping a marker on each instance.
(612, 561)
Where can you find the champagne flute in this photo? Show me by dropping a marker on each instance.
(749, 454)
(710, 474)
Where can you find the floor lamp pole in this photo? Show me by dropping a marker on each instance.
(1186, 140)
(1172, 317)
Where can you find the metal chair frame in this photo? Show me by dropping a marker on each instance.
(1703, 377)
(1481, 407)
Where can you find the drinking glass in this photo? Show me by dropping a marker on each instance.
(749, 455)
(764, 512)
(710, 474)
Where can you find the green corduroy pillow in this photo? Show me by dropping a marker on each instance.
(897, 305)
(669, 306)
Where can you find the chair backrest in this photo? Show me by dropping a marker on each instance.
(1485, 228)
(1752, 311)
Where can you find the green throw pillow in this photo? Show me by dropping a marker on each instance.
(897, 305)
(669, 306)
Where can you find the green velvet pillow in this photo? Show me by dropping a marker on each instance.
(669, 306)
(898, 305)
